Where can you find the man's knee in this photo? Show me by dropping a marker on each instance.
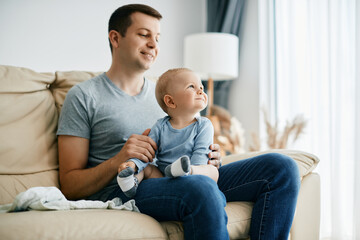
(280, 161)
(285, 168)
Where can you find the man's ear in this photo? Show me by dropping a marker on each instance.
(169, 101)
(114, 37)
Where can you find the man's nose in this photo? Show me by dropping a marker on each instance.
(152, 43)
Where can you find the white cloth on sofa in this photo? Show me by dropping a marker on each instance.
(51, 198)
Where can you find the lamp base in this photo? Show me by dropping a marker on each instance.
(210, 94)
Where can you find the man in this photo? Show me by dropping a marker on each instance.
(100, 127)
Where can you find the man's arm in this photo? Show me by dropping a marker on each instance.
(77, 181)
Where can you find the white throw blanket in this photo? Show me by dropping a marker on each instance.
(51, 198)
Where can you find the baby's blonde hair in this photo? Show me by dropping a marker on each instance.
(162, 85)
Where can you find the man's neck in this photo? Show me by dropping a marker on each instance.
(129, 81)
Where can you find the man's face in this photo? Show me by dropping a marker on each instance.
(140, 46)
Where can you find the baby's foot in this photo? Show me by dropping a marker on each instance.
(127, 182)
(181, 167)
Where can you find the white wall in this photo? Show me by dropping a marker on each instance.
(72, 34)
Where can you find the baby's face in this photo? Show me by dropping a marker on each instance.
(188, 92)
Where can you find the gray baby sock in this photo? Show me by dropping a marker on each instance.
(127, 182)
(180, 167)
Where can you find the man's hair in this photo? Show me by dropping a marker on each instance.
(120, 20)
(162, 85)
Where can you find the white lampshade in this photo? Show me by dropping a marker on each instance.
(212, 55)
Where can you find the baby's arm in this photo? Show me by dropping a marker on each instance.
(199, 159)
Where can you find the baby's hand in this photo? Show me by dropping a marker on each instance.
(127, 164)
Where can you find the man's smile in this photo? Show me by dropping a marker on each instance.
(148, 55)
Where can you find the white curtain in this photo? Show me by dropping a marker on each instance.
(309, 64)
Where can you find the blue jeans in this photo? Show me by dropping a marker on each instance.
(271, 181)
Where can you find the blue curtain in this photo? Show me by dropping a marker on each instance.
(224, 16)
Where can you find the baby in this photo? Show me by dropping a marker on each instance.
(183, 138)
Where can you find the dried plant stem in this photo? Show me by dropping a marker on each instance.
(276, 139)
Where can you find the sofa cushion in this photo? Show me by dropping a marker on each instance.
(12, 185)
(239, 218)
(23, 80)
(66, 80)
(109, 224)
(79, 224)
(28, 122)
(306, 162)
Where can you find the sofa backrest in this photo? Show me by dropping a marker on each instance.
(28, 121)
(30, 103)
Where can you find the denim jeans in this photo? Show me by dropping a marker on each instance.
(271, 181)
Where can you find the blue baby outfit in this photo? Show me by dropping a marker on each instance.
(193, 141)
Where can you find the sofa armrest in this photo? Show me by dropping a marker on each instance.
(307, 162)
(306, 224)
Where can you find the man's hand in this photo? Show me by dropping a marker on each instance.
(214, 155)
(139, 146)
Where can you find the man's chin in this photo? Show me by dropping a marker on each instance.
(143, 68)
(146, 66)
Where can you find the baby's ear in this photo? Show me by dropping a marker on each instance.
(169, 102)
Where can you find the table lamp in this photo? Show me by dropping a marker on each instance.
(214, 56)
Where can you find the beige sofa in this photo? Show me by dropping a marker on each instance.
(29, 110)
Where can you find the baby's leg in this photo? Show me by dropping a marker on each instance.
(181, 167)
(126, 179)
(206, 170)
(152, 171)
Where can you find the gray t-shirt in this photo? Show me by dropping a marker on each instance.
(101, 112)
